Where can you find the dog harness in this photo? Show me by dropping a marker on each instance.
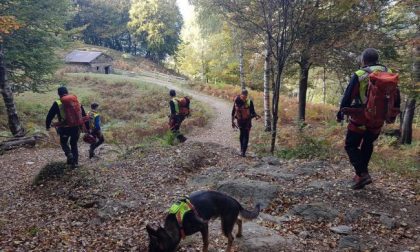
(179, 209)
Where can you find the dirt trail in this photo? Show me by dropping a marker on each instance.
(219, 129)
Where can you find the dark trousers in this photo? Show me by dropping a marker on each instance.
(100, 139)
(244, 138)
(72, 134)
(359, 147)
(175, 124)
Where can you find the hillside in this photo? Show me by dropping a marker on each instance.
(106, 203)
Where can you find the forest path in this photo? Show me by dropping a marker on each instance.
(219, 129)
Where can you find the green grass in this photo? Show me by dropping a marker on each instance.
(309, 147)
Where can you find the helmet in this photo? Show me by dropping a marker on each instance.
(89, 138)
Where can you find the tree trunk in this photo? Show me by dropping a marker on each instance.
(18, 142)
(241, 66)
(203, 67)
(275, 107)
(6, 91)
(324, 88)
(407, 129)
(267, 69)
(303, 85)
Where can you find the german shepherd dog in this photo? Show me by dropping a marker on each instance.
(207, 205)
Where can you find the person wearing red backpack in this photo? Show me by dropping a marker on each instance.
(371, 98)
(180, 109)
(243, 111)
(70, 121)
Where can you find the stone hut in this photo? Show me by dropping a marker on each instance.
(89, 61)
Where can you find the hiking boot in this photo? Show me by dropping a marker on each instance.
(91, 153)
(75, 164)
(361, 181)
(70, 159)
(356, 178)
(182, 139)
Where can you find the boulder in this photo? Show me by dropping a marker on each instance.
(257, 238)
(349, 243)
(273, 171)
(388, 222)
(352, 215)
(315, 211)
(342, 229)
(245, 190)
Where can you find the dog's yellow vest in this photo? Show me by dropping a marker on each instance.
(180, 208)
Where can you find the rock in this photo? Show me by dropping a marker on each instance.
(196, 159)
(245, 189)
(315, 211)
(113, 208)
(271, 160)
(210, 177)
(342, 229)
(350, 242)
(310, 168)
(352, 215)
(388, 222)
(320, 184)
(241, 168)
(273, 171)
(304, 234)
(257, 238)
(275, 219)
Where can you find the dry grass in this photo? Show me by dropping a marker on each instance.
(132, 111)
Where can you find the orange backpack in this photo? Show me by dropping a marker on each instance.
(242, 112)
(72, 111)
(184, 106)
(382, 95)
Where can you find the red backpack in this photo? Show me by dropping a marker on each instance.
(382, 96)
(184, 106)
(242, 110)
(72, 111)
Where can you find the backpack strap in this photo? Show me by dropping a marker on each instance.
(367, 70)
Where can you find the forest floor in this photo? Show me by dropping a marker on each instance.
(106, 203)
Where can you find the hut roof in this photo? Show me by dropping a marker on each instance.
(77, 56)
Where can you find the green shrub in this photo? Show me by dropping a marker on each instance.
(169, 138)
(307, 148)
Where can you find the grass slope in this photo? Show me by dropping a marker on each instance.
(133, 111)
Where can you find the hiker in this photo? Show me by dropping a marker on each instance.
(180, 109)
(243, 111)
(70, 114)
(95, 128)
(364, 126)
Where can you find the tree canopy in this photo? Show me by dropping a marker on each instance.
(157, 23)
(29, 51)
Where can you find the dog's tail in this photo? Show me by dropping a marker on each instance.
(246, 214)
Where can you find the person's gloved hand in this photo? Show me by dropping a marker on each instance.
(340, 116)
